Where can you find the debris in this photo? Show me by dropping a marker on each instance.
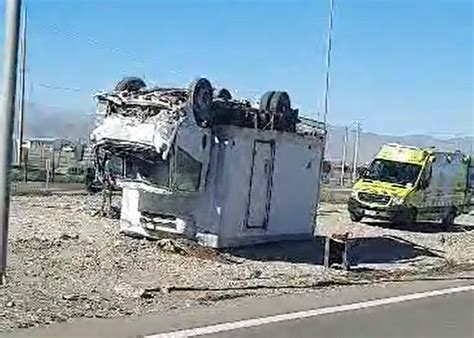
(255, 274)
(71, 297)
(69, 236)
(336, 250)
(341, 237)
(319, 284)
(128, 291)
(10, 304)
(169, 245)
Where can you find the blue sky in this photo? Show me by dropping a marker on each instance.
(399, 66)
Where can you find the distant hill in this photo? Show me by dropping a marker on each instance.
(370, 143)
(53, 122)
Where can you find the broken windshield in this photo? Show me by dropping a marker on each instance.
(152, 169)
(393, 172)
(185, 173)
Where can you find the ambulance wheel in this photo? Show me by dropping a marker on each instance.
(405, 218)
(448, 219)
(355, 217)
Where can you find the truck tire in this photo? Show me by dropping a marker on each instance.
(265, 101)
(448, 219)
(224, 94)
(131, 84)
(280, 106)
(280, 103)
(200, 97)
(355, 217)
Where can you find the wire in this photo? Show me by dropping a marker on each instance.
(63, 30)
(43, 85)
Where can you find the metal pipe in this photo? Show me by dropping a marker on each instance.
(21, 108)
(7, 113)
(344, 152)
(356, 151)
(328, 59)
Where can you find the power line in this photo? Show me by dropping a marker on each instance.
(70, 89)
(63, 30)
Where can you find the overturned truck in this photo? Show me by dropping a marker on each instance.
(197, 162)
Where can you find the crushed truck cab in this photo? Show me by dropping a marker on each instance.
(406, 184)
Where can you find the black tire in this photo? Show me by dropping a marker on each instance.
(265, 101)
(280, 106)
(224, 94)
(131, 84)
(355, 217)
(280, 103)
(405, 218)
(201, 100)
(448, 219)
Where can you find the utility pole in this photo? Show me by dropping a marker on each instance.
(328, 59)
(21, 108)
(356, 151)
(7, 113)
(344, 152)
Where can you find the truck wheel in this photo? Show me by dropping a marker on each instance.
(448, 219)
(224, 94)
(131, 84)
(355, 217)
(265, 101)
(201, 92)
(280, 103)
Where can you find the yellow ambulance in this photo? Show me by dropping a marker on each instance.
(406, 184)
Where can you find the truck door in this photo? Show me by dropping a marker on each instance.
(260, 189)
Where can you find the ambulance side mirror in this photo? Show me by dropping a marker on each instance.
(425, 181)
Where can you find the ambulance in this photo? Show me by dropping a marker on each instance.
(405, 184)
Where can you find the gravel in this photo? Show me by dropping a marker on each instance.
(66, 263)
(455, 245)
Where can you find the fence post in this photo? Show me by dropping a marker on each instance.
(48, 170)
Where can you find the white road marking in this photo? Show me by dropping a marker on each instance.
(199, 331)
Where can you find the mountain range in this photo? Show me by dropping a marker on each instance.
(75, 124)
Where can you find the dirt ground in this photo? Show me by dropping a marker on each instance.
(455, 245)
(65, 262)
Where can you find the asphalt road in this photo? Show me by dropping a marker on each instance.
(411, 309)
(444, 316)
